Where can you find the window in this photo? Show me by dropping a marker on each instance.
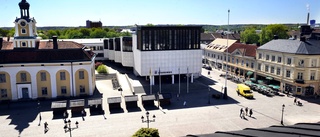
(300, 75)
(228, 59)
(312, 75)
(208, 54)
(242, 62)
(252, 64)
(3, 78)
(260, 56)
(43, 76)
(44, 91)
(301, 63)
(279, 59)
(273, 58)
(23, 77)
(266, 69)
(267, 57)
(82, 89)
(247, 63)
(272, 69)
(313, 62)
(237, 61)
(259, 66)
(214, 55)
(24, 44)
(232, 60)
(288, 73)
(218, 56)
(63, 90)
(81, 74)
(4, 93)
(62, 75)
(288, 61)
(23, 31)
(278, 71)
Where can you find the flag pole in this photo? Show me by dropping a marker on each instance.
(159, 81)
(151, 82)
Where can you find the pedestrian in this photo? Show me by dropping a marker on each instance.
(45, 127)
(246, 109)
(184, 103)
(295, 100)
(241, 111)
(250, 112)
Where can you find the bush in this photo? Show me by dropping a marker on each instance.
(146, 132)
(97, 64)
(102, 69)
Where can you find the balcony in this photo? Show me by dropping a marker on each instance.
(300, 81)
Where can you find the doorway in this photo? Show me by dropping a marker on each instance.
(25, 93)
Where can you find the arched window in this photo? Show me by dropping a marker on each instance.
(23, 31)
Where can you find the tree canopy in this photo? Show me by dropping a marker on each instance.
(269, 31)
(249, 36)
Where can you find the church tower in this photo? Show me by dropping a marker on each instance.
(25, 28)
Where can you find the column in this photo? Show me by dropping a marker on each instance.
(191, 77)
(150, 79)
(172, 79)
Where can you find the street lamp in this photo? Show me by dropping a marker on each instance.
(225, 95)
(282, 114)
(39, 112)
(148, 120)
(67, 126)
(208, 95)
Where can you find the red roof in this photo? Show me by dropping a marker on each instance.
(67, 51)
(247, 50)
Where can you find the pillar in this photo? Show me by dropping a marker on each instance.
(191, 77)
(172, 79)
(150, 79)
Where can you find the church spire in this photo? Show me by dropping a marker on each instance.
(24, 9)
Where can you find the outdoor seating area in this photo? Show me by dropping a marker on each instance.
(260, 87)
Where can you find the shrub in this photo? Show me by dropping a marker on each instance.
(146, 132)
(102, 69)
(97, 64)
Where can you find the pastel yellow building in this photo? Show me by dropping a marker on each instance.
(31, 69)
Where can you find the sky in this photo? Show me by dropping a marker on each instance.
(129, 12)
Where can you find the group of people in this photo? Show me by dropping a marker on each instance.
(245, 112)
(297, 102)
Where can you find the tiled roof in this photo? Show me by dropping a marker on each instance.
(67, 51)
(310, 47)
(247, 50)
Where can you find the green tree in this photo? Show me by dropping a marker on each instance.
(73, 34)
(102, 69)
(269, 31)
(147, 132)
(85, 32)
(51, 33)
(249, 36)
(98, 33)
(4, 32)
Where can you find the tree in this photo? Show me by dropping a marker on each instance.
(249, 36)
(269, 31)
(102, 69)
(98, 33)
(51, 33)
(147, 132)
(4, 32)
(85, 32)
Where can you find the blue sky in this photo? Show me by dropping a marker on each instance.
(130, 12)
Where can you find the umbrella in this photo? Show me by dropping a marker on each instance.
(269, 78)
(249, 73)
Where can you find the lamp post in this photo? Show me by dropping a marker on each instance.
(282, 114)
(208, 95)
(39, 112)
(67, 126)
(148, 120)
(225, 93)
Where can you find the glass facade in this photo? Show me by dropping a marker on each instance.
(154, 38)
(127, 44)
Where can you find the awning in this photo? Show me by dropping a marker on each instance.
(249, 73)
(269, 78)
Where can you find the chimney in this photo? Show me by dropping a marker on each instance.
(258, 44)
(8, 38)
(275, 37)
(1, 41)
(303, 39)
(55, 42)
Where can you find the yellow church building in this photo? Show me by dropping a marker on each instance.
(32, 69)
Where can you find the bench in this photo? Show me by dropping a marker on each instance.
(114, 102)
(131, 101)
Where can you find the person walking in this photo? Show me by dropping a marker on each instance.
(246, 109)
(295, 100)
(250, 112)
(46, 127)
(241, 112)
